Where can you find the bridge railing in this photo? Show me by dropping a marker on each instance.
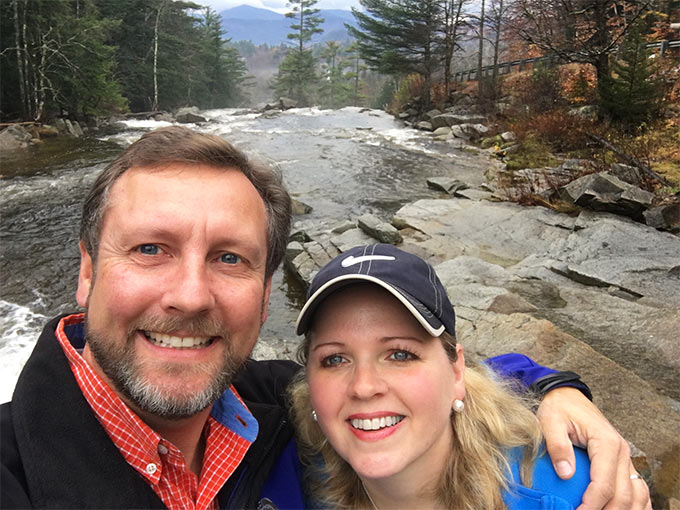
(507, 67)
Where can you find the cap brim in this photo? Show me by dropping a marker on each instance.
(426, 319)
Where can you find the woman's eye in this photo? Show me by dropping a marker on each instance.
(332, 361)
(229, 258)
(402, 356)
(149, 249)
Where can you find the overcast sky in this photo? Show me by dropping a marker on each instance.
(276, 5)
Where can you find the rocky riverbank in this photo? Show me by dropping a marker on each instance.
(593, 292)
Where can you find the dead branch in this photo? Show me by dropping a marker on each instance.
(630, 160)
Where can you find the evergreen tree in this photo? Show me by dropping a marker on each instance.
(297, 76)
(336, 86)
(398, 37)
(632, 94)
(56, 58)
(223, 69)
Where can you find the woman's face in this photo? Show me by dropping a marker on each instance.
(381, 386)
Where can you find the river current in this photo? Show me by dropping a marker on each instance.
(343, 163)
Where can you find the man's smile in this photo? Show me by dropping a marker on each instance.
(178, 342)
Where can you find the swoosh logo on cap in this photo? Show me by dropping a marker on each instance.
(352, 260)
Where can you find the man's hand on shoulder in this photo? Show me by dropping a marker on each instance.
(568, 418)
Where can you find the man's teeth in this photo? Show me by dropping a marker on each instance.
(376, 423)
(177, 342)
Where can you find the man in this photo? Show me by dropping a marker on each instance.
(131, 405)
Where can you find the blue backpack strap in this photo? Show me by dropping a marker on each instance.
(283, 487)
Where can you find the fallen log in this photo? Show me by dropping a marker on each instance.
(630, 160)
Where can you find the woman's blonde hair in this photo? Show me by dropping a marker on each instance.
(495, 420)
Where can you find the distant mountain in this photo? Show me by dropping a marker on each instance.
(262, 26)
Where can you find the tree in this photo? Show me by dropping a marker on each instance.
(452, 23)
(55, 58)
(223, 67)
(398, 37)
(583, 31)
(632, 94)
(297, 75)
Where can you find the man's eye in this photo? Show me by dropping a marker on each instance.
(332, 360)
(149, 249)
(229, 258)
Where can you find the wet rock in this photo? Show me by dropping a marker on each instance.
(432, 113)
(286, 103)
(14, 137)
(77, 128)
(453, 119)
(300, 207)
(344, 227)
(70, 129)
(47, 131)
(473, 194)
(189, 117)
(664, 217)
(351, 238)
(604, 192)
(445, 184)
(424, 125)
(378, 229)
(442, 131)
(163, 117)
(474, 131)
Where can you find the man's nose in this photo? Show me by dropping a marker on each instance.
(189, 290)
(367, 380)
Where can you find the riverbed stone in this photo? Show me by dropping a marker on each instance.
(351, 238)
(473, 194)
(425, 125)
(14, 137)
(300, 207)
(445, 184)
(379, 229)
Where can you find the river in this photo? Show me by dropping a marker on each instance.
(343, 163)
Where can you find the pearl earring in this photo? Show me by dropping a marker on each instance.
(458, 405)
(315, 418)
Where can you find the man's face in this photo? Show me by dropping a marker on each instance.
(178, 292)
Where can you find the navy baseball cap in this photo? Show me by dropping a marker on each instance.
(407, 277)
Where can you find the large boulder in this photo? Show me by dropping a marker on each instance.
(605, 192)
(14, 137)
(189, 115)
(664, 217)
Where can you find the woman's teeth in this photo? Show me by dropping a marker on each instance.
(376, 423)
(177, 342)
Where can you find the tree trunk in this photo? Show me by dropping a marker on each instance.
(20, 66)
(481, 52)
(496, 48)
(154, 104)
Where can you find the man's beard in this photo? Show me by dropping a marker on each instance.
(125, 371)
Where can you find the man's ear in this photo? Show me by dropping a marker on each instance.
(265, 300)
(85, 276)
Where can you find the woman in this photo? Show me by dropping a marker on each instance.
(387, 413)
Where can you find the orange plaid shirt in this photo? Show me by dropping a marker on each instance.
(229, 432)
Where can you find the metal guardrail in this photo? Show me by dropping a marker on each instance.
(506, 67)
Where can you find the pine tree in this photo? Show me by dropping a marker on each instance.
(297, 76)
(632, 94)
(400, 37)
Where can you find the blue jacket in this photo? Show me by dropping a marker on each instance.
(548, 491)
